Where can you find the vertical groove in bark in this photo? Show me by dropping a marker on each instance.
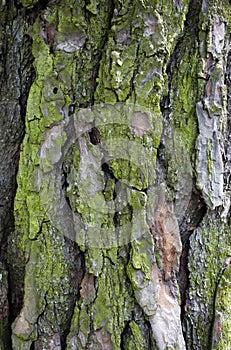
(84, 94)
(16, 77)
(186, 50)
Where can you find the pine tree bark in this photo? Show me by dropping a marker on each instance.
(115, 174)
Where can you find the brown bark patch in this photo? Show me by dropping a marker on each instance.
(167, 239)
(140, 124)
(104, 338)
(88, 291)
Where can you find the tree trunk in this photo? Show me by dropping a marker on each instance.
(115, 118)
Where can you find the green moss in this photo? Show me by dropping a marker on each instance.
(92, 7)
(184, 114)
(222, 320)
(80, 327)
(139, 34)
(112, 297)
(40, 247)
(140, 260)
(135, 340)
(29, 3)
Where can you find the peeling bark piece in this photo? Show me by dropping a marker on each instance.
(218, 36)
(209, 158)
(166, 325)
(167, 239)
(88, 291)
(211, 118)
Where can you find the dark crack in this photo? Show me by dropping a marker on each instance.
(214, 338)
(196, 208)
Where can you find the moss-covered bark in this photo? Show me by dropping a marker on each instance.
(120, 244)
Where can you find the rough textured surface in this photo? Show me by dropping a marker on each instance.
(119, 244)
(4, 306)
(212, 118)
(209, 245)
(209, 273)
(16, 74)
(139, 62)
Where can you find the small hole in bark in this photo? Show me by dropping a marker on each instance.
(71, 109)
(105, 168)
(94, 135)
(55, 90)
(33, 346)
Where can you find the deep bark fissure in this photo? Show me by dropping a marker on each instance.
(197, 208)
(17, 78)
(132, 88)
(190, 32)
(145, 326)
(193, 217)
(96, 57)
(111, 7)
(63, 329)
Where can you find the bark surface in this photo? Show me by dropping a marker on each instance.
(115, 165)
